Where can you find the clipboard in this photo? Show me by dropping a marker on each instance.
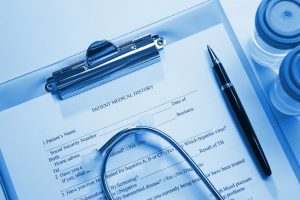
(167, 28)
(36, 79)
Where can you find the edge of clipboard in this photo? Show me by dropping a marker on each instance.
(6, 185)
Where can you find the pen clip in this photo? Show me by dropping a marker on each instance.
(105, 62)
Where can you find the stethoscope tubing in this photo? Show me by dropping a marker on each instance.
(108, 147)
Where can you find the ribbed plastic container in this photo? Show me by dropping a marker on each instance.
(285, 90)
(277, 31)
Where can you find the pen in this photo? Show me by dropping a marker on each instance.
(239, 111)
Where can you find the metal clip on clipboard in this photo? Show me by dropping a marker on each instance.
(105, 62)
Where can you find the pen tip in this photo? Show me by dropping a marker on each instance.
(212, 54)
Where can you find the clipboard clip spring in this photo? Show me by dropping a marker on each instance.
(105, 62)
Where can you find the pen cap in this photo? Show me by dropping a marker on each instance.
(289, 74)
(278, 23)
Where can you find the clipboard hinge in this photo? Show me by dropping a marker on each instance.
(105, 62)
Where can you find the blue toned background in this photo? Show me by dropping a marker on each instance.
(34, 34)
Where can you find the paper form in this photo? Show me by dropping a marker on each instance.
(42, 142)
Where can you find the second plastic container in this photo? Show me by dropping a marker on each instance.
(285, 90)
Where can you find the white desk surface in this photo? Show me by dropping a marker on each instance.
(42, 32)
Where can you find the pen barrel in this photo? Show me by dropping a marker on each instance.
(245, 124)
(221, 74)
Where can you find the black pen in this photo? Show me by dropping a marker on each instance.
(239, 111)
